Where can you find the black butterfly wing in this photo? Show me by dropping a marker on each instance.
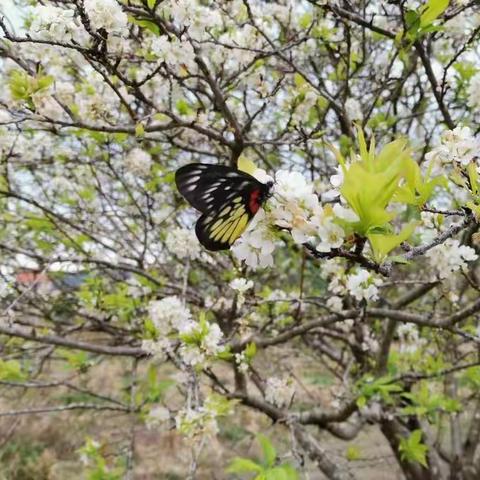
(228, 199)
(209, 187)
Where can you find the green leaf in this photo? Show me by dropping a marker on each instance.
(399, 259)
(277, 473)
(412, 20)
(412, 449)
(465, 69)
(139, 130)
(77, 360)
(383, 244)
(361, 401)
(352, 453)
(473, 177)
(426, 402)
(161, 117)
(183, 107)
(169, 177)
(368, 193)
(370, 184)
(305, 20)
(382, 386)
(11, 370)
(19, 85)
(151, 4)
(269, 452)
(417, 190)
(219, 404)
(433, 9)
(290, 471)
(244, 465)
(250, 351)
(43, 82)
(149, 25)
(225, 354)
(472, 376)
(299, 80)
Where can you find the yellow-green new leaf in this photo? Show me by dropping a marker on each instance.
(139, 130)
(434, 8)
(473, 177)
(417, 190)
(368, 194)
(383, 244)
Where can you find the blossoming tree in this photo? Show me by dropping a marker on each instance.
(349, 305)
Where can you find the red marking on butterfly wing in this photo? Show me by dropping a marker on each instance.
(253, 202)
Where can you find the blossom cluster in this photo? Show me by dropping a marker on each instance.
(62, 25)
(458, 146)
(241, 286)
(138, 162)
(409, 337)
(202, 420)
(279, 391)
(196, 421)
(200, 340)
(183, 244)
(474, 92)
(450, 257)
(294, 207)
(358, 282)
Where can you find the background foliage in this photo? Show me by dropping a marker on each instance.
(347, 316)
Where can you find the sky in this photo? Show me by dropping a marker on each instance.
(10, 12)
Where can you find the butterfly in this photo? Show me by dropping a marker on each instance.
(227, 198)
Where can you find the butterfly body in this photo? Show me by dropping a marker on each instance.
(227, 198)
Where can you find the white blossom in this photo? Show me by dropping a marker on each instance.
(330, 234)
(202, 420)
(158, 416)
(334, 272)
(293, 205)
(353, 109)
(192, 354)
(344, 213)
(410, 340)
(169, 313)
(242, 362)
(370, 343)
(450, 257)
(193, 15)
(279, 391)
(255, 246)
(292, 186)
(107, 14)
(211, 341)
(457, 145)
(208, 346)
(241, 285)
(262, 176)
(183, 243)
(336, 181)
(53, 23)
(473, 92)
(157, 348)
(138, 161)
(175, 53)
(193, 422)
(335, 303)
(47, 106)
(362, 285)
